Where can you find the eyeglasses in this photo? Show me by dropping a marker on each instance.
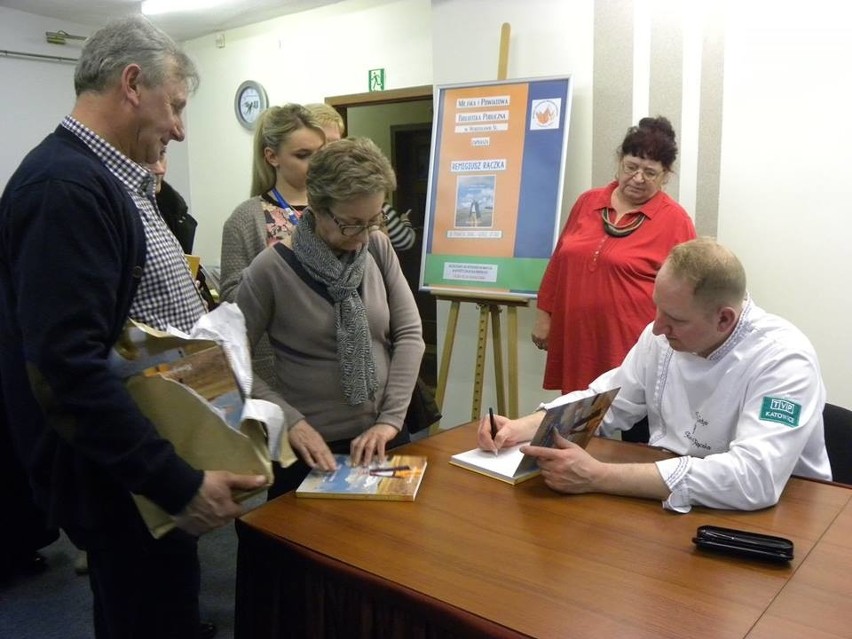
(631, 169)
(351, 230)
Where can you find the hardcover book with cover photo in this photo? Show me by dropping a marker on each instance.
(576, 421)
(397, 478)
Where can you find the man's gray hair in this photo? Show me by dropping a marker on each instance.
(133, 40)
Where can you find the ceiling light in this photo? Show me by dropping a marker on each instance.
(155, 7)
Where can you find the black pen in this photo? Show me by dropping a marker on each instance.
(390, 469)
(493, 427)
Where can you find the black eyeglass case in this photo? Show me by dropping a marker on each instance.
(743, 543)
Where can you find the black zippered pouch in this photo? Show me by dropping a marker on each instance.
(743, 543)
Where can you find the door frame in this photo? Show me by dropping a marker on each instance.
(408, 94)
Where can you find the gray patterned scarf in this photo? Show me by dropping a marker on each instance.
(342, 277)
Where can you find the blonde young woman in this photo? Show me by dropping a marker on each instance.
(285, 139)
(329, 120)
(398, 227)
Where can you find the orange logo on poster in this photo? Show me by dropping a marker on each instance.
(545, 114)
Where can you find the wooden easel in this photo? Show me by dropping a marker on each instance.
(489, 306)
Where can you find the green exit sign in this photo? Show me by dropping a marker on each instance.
(377, 79)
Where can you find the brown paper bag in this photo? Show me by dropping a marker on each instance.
(187, 389)
(199, 435)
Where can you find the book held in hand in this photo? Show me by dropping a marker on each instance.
(396, 479)
(190, 392)
(575, 421)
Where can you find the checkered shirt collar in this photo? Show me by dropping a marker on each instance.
(134, 176)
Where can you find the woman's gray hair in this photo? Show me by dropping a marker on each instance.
(273, 127)
(350, 168)
(133, 40)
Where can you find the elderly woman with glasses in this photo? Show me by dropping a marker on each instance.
(596, 294)
(344, 328)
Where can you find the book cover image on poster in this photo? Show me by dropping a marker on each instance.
(576, 421)
(397, 478)
(475, 201)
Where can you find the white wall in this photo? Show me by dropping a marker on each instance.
(784, 200)
(302, 58)
(785, 143)
(37, 94)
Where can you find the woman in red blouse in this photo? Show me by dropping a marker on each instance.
(595, 297)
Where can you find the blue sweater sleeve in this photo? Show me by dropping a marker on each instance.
(73, 248)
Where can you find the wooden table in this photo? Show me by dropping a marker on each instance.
(817, 601)
(474, 557)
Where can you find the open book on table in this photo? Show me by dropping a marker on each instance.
(575, 421)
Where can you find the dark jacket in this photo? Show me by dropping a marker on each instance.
(72, 252)
(176, 215)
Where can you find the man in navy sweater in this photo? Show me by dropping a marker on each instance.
(82, 249)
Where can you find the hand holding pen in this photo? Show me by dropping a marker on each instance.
(493, 429)
(488, 430)
(497, 432)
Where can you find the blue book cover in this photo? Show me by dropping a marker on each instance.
(397, 478)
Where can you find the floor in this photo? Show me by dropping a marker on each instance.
(57, 603)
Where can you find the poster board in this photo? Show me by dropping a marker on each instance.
(495, 186)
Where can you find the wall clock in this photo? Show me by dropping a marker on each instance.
(249, 101)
